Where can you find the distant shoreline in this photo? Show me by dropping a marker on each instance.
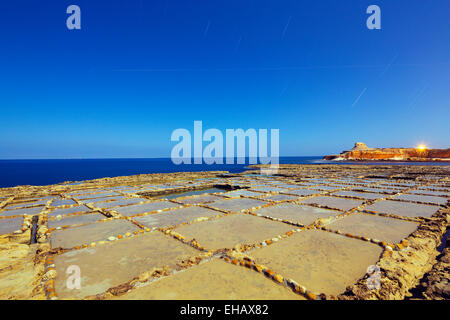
(425, 160)
(361, 152)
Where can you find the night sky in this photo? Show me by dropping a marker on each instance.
(137, 70)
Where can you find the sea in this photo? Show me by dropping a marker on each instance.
(46, 172)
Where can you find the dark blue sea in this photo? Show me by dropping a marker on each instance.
(45, 172)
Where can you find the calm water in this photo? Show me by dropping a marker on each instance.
(44, 172)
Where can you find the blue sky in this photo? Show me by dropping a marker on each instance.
(137, 70)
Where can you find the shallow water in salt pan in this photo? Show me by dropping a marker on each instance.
(280, 197)
(145, 207)
(104, 199)
(297, 213)
(225, 282)
(122, 202)
(326, 188)
(63, 202)
(287, 185)
(236, 204)
(81, 208)
(17, 205)
(231, 230)
(333, 202)
(268, 189)
(199, 199)
(382, 228)
(75, 220)
(303, 192)
(109, 265)
(30, 211)
(10, 225)
(376, 190)
(86, 234)
(95, 195)
(176, 216)
(364, 195)
(420, 198)
(403, 208)
(430, 192)
(319, 260)
(243, 192)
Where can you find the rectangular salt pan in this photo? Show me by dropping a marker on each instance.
(381, 228)
(57, 212)
(117, 188)
(16, 205)
(104, 199)
(199, 199)
(28, 211)
(288, 186)
(146, 207)
(229, 231)
(268, 189)
(225, 282)
(280, 197)
(245, 193)
(420, 198)
(436, 187)
(84, 192)
(10, 225)
(86, 234)
(75, 220)
(403, 208)
(110, 265)
(364, 195)
(176, 216)
(321, 261)
(297, 213)
(302, 192)
(430, 192)
(326, 188)
(393, 186)
(333, 202)
(136, 190)
(96, 195)
(64, 202)
(376, 190)
(123, 202)
(236, 205)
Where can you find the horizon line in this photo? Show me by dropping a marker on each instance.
(131, 158)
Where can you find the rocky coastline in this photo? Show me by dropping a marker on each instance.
(360, 152)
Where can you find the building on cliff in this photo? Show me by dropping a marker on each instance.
(360, 152)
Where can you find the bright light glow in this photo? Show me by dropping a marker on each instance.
(421, 147)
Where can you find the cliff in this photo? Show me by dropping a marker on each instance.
(360, 152)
